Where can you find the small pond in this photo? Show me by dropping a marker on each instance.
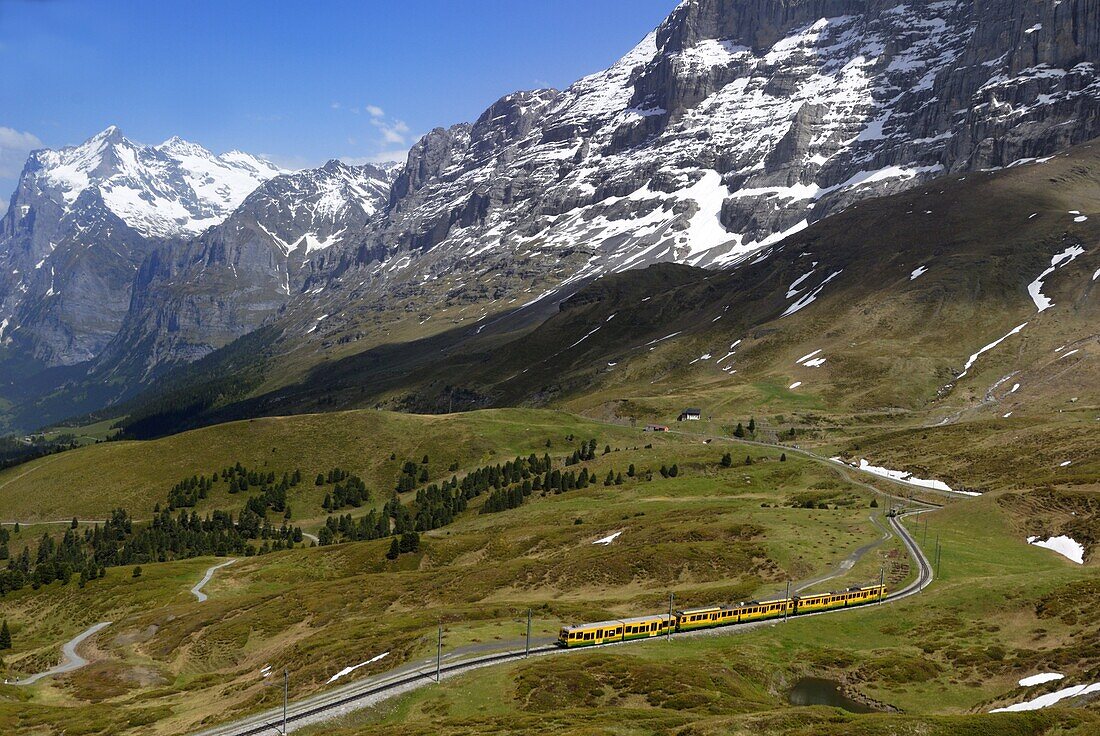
(819, 691)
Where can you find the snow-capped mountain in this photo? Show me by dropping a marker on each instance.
(176, 188)
(734, 124)
(82, 220)
(731, 126)
(315, 209)
(195, 295)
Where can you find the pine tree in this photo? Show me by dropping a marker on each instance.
(664, 471)
(619, 479)
(610, 478)
(674, 470)
(739, 431)
(782, 457)
(791, 433)
(630, 471)
(874, 503)
(5, 636)
(137, 572)
(320, 479)
(748, 460)
(752, 425)
(74, 523)
(727, 460)
(395, 550)
(606, 449)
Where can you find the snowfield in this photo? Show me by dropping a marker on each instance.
(1068, 547)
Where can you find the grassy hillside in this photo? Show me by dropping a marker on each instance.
(91, 481)
(1001, 611)
(710, 534)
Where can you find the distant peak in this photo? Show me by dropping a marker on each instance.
(334, 164)
(175, 143)
(110, 134)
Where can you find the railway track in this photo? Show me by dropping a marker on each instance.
(361, 694)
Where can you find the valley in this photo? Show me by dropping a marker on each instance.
(791, 299)
(712, 533)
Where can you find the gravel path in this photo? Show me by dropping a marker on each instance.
(197, 590)
(70, 660)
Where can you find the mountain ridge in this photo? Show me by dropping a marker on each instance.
(727, 129)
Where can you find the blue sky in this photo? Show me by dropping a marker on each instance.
(299, 82)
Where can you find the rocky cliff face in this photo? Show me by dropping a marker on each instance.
(737, 122)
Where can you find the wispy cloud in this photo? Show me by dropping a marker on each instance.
(393, 132)
(14, 147)
(387, 138)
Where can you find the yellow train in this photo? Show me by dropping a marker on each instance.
(646, 627)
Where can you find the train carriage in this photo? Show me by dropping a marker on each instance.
(698, 618)
(607, 632)
(587, 635)
(760, 610)
(647, 627)
(854, 596)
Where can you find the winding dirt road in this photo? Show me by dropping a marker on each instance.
(197, 590)
(70, 660)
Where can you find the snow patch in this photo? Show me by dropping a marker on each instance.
(608, 539)
(811, 296)
(349, 670)
(1045, 701)
(1040, 679)
(1035, 288)
(1068, 547)
(906, 477)
(990, 346)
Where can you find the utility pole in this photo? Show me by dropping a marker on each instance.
(527, 651)
(668, 636)
(439, 653)
(787, 602)
(938, 552)
(286, 691)
(881, 581)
